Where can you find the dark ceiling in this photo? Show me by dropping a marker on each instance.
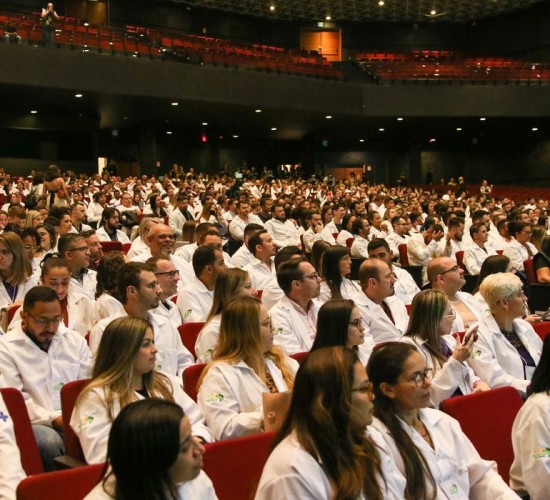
(454, 11)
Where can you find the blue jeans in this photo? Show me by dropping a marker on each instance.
(50, 445)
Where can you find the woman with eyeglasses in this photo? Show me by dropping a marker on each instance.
(15, 270)
(48, 239)
(508, 349)
(246, 364)
(326, 448)
(427, 446)
(230, 284)
(429, 329)
(339, 323)
(31, 241)
(336, 267)
(152, 455)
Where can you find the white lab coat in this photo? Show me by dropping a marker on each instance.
(138, 247)
(88, 285)
(530, 471)
(11, 472)
(186, 252)
(284, 233)
(91, 421)
(448, 378)
(455, 464)
(94, 212)
(294, 331)
(472, 304)
(359, 248)
(420, 254)
(5, 299)
(195, 301)
(208, 339)
(405, 288)
(309, 238)
(106, 305)
(272, 293)
(376, 321)
(176, 220)
(347, 289)
(241, 257)
(260, 274)
(200, 488)
(172, 357)
(170, 311)
(291, 472)
(79, 309)
(517, 253)
(40, 375)
(474, 257)
(120, 236)
(230, 397)
(496, 361)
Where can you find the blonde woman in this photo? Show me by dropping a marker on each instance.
(15, 270)
(245, 365)
(230, 284)
(124, 372)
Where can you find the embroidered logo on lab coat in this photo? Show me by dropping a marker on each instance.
(85, 421)
(541, 453)
(277, 331)
(217, 396)
(4, 417)
(187, 313)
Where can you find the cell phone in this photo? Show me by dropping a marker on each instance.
(472, 330)
(546, 315)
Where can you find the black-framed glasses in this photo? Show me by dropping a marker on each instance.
(366, 388)
(312, 276)
(78, 249)
(453, 269)
(169, 273)
(419, 377)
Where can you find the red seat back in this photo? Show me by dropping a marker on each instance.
(71, 484)
(126, 248)
(111, 246)
(529, 267)
(299, 356)
(24, 436)
(487, 419)
(542, 328)
(403, 256)
(191, 376)
(259, 294)
(69, 395)
(349, 242)
(11, 311)
(189, 333)
(460, 260)
(236, 479)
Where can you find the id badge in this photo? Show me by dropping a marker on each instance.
(529, 370)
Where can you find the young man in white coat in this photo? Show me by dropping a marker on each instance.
(139, 292)
(294, 317)
(38, 357)
(110, 227)
(384, 315)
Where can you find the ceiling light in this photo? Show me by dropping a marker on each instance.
(459, 129)
(33, 111)
(361, 140)
(535, 129)
(168, 132)
(235, 136)
(328, 18)
(78, 96)
(381, 130)
(124, 117)
(400, 119)
(272, 8)
(205, 123)
(381, 3)
(328, 117)
(433, 12)
(175, 104)
(482, 119)
(258, 111)
(432, 140)
(273, 128)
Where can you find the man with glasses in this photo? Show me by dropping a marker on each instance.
(447, 277)
(384, 315)
(398, 237)
(139, 292)
(520, 248)
(74, 249)
(38, 357)
(294, 317)
(168, 277)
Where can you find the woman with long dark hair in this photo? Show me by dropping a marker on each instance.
(153, 456)
(428, 446)
(336, 268)
(322, 450)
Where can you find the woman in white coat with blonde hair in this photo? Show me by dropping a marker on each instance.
(508, 349)
(124, 372)
(430, 324)
(246, 364)
(16, 277)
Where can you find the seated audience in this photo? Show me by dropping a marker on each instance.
(542, 261)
